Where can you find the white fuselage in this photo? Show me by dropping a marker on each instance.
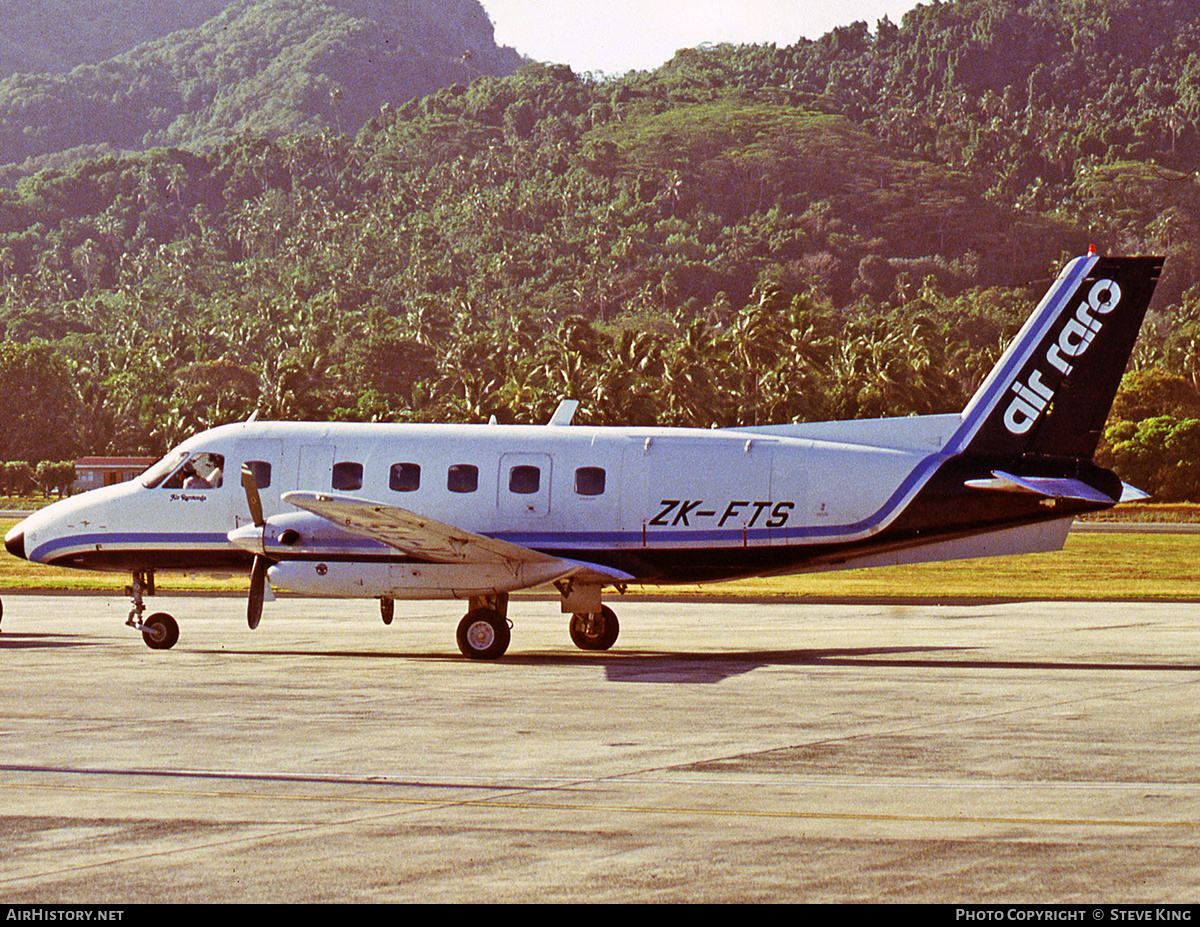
(588, 492)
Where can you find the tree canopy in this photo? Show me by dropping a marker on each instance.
(843, 227)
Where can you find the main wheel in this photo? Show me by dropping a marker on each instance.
(597, 631)
(161, 631)
(483, 634)
(387, 609)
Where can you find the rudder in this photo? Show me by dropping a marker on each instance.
(1050, 393)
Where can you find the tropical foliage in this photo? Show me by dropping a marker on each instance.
(846, 227)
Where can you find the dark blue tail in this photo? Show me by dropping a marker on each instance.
(1051, 391)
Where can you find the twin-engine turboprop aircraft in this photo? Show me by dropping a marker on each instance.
(478, 511)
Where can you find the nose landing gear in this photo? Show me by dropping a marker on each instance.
(160, 631)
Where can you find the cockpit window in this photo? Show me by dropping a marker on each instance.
(199, 471)
(159, 472)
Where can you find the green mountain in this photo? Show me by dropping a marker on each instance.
(260, 66)
(58, 35)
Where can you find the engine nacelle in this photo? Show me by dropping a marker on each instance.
(302, 534)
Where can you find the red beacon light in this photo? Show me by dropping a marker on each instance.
(1091, 250)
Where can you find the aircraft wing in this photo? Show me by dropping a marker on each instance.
(435, 541)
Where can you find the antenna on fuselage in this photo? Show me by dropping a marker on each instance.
(564, 413)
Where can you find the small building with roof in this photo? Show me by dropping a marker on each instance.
(94, 472)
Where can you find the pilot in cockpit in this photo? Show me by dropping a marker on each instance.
(193, 480)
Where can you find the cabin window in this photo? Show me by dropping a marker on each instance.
(524, 479)
(347, 475)
(462, 478)
(199, 471)
(589, 481)
(405, 477)
(261, 471)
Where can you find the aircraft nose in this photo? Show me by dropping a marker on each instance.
(14, 542)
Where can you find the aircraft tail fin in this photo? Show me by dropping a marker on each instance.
(1050, 393)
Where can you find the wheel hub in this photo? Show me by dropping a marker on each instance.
(481, 635)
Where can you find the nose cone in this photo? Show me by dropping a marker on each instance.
(14, 541)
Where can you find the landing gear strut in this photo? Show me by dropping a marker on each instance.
(160, 631)
(593, 626)
(483, 633)
(595, 630)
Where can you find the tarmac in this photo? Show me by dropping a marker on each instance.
(720, 752)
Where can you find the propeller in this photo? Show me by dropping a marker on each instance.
(258, 572)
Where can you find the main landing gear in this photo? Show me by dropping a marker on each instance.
(485, 631)
(160, 631)
(593, 626)
(595, 630)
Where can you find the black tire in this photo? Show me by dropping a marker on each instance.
(483, 634)
(387, 609)
(162, 631)
(597, 631)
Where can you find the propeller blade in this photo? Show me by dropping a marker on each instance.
(250, 484)
(258, 585)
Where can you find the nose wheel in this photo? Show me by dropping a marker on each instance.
(160, 631)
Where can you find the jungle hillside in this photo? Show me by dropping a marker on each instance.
(362, 210)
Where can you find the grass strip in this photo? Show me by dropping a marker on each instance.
(1134, 566)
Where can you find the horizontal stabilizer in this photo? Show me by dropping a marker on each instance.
(1132, 494)
(1048, 486)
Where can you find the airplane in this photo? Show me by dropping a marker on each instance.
(476, 512)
